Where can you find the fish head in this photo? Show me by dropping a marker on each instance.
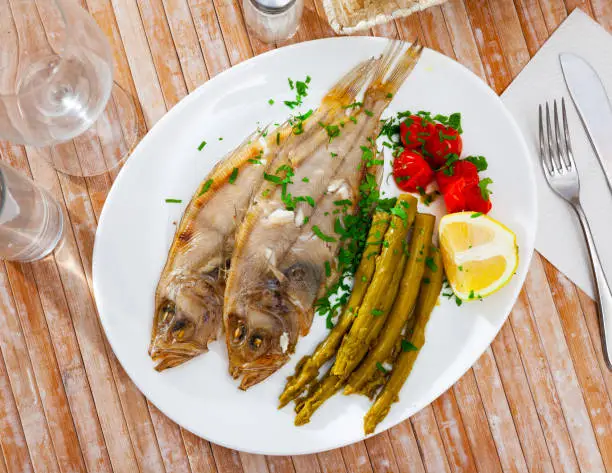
(264, 326)
(188, 315)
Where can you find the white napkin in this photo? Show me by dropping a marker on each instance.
(559, 237)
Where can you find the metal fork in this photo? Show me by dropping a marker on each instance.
(560, 171)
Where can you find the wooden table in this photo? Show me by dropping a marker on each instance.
(539, 399)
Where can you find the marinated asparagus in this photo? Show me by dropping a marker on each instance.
(380, 294)
(403, 305)
(428, 297)
(308, 367)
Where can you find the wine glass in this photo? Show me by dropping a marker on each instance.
(57, 89)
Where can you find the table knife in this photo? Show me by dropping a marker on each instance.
(593, 105)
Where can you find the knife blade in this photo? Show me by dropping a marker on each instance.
(591, 100)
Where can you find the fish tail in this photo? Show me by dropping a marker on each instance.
(346, 89)
(391, 74)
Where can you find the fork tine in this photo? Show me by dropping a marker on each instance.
(551, 151)
(546, 164)
(561, 159)
(568, 143)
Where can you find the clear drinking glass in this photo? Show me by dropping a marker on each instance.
(57, 89)
(31, 220)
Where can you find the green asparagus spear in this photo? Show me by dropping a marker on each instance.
(308, 368)
(380, 294)
(428, 297)
(330, 384)
(404, 302)
(326, 388)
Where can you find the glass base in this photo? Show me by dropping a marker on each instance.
(106, 144)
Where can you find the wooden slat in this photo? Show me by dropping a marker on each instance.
(46, 372)
(521, 403)
(583, 355)
(509, 31)
(199, 452)
(482, 21)
(233, 30)
(532, 23)
(356, 458)
(562, 369)
(331, 461)
(381, 453)
(603, 13)
(456, 443)
(476, 424)
(310, 464)
(542, 387)
(227, 461)
(280, 464)
(406, 448)
(429, 440)
(462, 37)
(21, 376)
(15, 454)
(253, 463)
(496, 406)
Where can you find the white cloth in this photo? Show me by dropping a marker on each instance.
(559, 238)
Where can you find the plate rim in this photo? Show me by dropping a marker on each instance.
(176, 109)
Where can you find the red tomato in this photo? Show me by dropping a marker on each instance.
(443, 141)
(413, 133)
(410, 171)
(474, 200)
(464, 172)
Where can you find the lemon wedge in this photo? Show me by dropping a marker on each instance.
(480, 254)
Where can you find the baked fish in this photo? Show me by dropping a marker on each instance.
(189, 296)
(288, 233)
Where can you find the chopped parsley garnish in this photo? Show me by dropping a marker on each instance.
(389, 95)
(205, 187)
(369, 113)
(381, 368)
(452, 121)
(278, 138)
(233, 176)
(398, 211)
(408, 346)
(476, 215)
(333, 155)
(426, 280)
(327, 269)
(272, 178)
(306, 220)
(332, 130)
(271, 101)
(220, 138)
(449, 167)
(471, 296)
(173, 201)
(364, 279)
(431, 264)
(443, 136)
(353, 119)
(301, 91)
(343, 202)
(202, 144)
(458, 301)
(265, 193)
(254, 161)
(484, 187)
(479, 161)
(305, 179)
(353, 105)
(377, 312)
(318, 232)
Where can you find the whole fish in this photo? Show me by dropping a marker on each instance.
(189, 295)
(288, 233)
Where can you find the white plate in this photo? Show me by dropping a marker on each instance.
(136, 228)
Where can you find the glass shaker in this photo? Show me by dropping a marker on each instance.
(31, 220)
(273, 20)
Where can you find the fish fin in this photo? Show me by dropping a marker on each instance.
(389, 78)
(345, 91)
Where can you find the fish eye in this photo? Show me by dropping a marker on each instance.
(180, 327)
(255, 341)
(239, 333)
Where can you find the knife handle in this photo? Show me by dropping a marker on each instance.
(603, 296)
